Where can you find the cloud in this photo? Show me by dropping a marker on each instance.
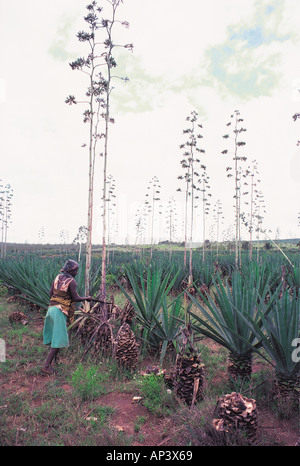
(247, 58)
(60, 46)
(264, 27)
(143, 92)
(247, 64)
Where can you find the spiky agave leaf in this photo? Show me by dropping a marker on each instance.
(223, 320)
(26, 277)
(281, 327)
(149, 289)
(32, 276)
(168, 324)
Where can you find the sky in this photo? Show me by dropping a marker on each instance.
(210, 57)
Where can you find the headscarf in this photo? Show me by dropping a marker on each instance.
(69, 266)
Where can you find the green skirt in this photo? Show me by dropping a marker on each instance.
(55, 328)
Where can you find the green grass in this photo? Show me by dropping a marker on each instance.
(89, 382)
(155, 397)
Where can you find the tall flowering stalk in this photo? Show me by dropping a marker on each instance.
(98, 110)
(140, 224)
(218, 217)
(151, 199)
(235, 122)
(6, 194)
(111, 200)
(204, 187)
(190, 164)
(171, 222)
(256, 205)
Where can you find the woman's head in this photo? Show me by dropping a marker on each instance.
(70, 267)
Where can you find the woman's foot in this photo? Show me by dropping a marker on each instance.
(48, 371)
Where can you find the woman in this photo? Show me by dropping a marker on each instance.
(63, 295)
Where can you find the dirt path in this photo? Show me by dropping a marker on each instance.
(135, 420)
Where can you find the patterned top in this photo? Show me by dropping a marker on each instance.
(61, 296)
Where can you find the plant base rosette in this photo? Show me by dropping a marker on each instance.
(240, 365)
(188, 378)
(288, 388)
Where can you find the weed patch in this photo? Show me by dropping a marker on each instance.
(89, 382)
(155, 395)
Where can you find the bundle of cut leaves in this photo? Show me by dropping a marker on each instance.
(95, 327)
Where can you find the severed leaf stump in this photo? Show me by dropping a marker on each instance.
(126, 348)
(188, 378)
(236, 412)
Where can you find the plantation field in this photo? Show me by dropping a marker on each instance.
(93, 400)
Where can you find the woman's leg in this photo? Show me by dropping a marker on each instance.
(53, 353)
(55, 334)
